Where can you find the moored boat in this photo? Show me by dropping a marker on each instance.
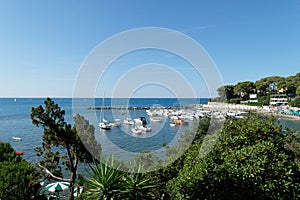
(173, 124)
(180, 121)
(17, 138)
(128, 121)
(136, 130)
(155, 119)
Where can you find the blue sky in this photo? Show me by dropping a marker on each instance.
(44, 43)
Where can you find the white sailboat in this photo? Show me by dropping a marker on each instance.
(103, 124)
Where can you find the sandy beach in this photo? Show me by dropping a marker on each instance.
(265, 110)
(280, 115)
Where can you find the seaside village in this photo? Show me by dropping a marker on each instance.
(234, 100)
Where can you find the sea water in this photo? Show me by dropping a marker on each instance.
(15, 121)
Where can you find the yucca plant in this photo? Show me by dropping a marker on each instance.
(106, 181)
(137, 184)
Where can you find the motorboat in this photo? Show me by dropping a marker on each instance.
(173, 124)
(140, 123)
(104, 125)
(240, 115)
(136, 130)
(144, 128)
(155, 119)
(116, 123)
(128, 121)
(180, 121)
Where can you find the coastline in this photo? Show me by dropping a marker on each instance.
(281, 116)
(266, 110)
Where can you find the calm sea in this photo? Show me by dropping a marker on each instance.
(15, 121)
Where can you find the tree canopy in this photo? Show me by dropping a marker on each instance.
(19, 180)
(249, 161)
(59, 134)
(243, 89)
(263, 87)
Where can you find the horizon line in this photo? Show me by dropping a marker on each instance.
(56, 97)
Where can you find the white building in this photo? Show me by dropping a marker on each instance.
(278, 100)
(253, 98)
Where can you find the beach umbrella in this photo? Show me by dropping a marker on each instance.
(57, 186)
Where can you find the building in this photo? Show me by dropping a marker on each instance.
(253, 98)
(278, 100)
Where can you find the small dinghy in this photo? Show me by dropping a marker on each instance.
(17, 138)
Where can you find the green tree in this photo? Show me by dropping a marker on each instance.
(270, 85)
(275, 83)
(59, 135)
(194, 137)
(296, 102)
(293, 143)
(7, 153)
(298, 91)
(226, 92)
(18, 179)
(243, 89)
(293, 82)
(262, 86)
(291, 88)
(249, 161)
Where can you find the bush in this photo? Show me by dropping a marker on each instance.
(18, 179)
(249, 161)
(254, 104)
(236, 101)
(264, 100)
(296, 102)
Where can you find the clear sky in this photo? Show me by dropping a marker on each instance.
(44, 43)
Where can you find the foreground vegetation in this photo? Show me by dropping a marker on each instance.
(245, 159)
(19, 180)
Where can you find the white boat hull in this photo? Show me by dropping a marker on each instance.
(104, 126)
(17, 138)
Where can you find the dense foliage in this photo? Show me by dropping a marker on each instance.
(7, 153)
(18, 179)
(249, 161)
(296, 102)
